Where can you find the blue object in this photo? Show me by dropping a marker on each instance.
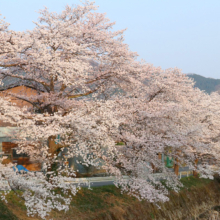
(20, 167)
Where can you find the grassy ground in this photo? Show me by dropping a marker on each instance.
(87, 204)
(191, 181)
(5, 213)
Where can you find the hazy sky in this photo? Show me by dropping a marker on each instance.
(166, 33)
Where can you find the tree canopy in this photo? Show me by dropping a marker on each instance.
(93, 93)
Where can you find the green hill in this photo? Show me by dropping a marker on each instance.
(207, 84)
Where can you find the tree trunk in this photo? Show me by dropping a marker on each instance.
(153, 167)
(160, 156)
(195, 173)
(176, 166)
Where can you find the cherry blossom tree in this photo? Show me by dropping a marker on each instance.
(93, 93)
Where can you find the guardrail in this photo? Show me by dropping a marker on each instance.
(110, 179)
(185, 174)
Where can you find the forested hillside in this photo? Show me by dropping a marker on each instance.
(207, 84)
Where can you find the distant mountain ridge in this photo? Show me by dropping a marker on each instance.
(209, 85)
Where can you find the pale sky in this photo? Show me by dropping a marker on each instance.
(166, 33)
